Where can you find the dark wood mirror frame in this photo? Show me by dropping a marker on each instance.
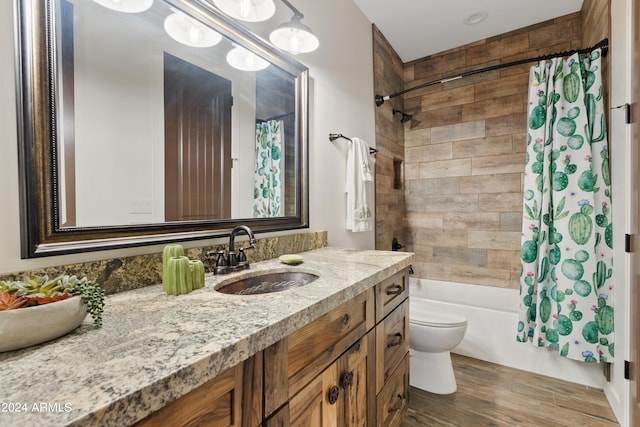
(41, 233)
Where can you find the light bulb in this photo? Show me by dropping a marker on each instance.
(189, 31)
(241, 59)
(194, 35)
(295, 42)
(245, 8)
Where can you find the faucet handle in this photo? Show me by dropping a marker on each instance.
(242, 257)
(221, 261)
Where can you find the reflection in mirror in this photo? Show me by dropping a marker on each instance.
(175, 101)
(157, 126)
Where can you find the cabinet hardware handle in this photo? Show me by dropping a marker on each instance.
(395, 341)
(397, 406)
(394, 289)
(333, 394)
(347, 379)
(345, 319)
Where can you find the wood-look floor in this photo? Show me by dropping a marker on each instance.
(498, 396)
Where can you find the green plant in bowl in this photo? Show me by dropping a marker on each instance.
(40, 290)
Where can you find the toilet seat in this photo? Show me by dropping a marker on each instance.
(438, 320)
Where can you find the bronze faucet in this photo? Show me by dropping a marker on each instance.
(234, 262)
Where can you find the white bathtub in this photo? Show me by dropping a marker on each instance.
(492, 319)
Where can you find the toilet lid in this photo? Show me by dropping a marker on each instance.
(436, 319)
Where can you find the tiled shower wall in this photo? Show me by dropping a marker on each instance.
(390, 210)
(465, 150)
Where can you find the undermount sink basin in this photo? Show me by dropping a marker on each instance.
(267, 283)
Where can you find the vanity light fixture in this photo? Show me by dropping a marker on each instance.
(189, 31)
(126, 6)
(241, 59)
(247, 10)
(294, 36)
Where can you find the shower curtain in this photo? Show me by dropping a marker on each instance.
(268, 189)
(566, 288)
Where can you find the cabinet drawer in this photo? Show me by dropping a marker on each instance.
(392, 342)
(390, 293)
(297, 359)
(391, 403)
(312, 348)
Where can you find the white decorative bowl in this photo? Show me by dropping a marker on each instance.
(23, 327)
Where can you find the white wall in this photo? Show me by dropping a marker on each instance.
(341, 90)
(341, 102)
(623, 164)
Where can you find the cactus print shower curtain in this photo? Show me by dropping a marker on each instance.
(267, 191)
(566, 288)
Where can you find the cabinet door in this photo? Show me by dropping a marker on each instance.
(356, 386)
(312, 407)
(215, 403)
(339, 397)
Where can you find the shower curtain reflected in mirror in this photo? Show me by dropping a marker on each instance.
(268, 185)
(566, 284)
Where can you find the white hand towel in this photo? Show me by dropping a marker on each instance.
(359, 186)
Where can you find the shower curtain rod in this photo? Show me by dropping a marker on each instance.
(604, 44)
(280, 117)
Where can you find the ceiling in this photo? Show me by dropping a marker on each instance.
(419, 28)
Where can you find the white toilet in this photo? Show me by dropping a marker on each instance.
(432, 333)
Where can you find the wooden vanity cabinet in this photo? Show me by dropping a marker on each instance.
(367, 336)
(347, 368)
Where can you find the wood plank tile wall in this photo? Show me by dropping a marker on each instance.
(390, 206)
(465, 155)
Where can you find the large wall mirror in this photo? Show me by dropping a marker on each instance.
(165, 124)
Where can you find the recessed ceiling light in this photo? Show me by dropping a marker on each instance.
(476, 18)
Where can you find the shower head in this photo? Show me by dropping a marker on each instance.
(405, 117)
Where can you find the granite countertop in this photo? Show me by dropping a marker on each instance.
(154, 348)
